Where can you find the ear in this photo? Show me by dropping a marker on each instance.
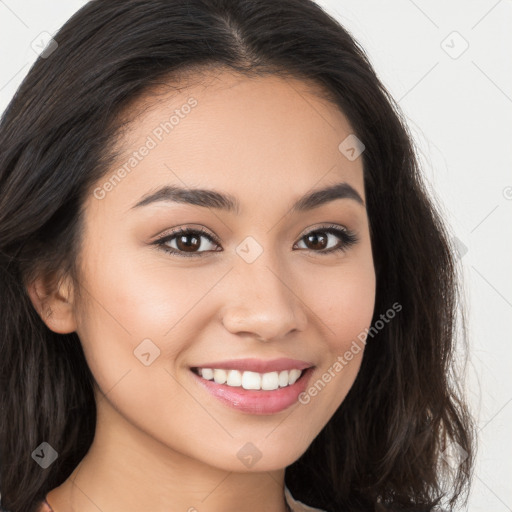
(54, 303)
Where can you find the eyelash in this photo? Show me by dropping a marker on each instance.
(348, 237)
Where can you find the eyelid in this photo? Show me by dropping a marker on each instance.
(203, 231)
(323, 226)
(176, 231)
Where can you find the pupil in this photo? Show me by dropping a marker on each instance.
(314, 238)
(194, 245)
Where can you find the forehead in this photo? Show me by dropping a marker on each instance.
(227, 131)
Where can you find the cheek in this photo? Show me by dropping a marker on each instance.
(344, 300)
(133, 311)
(139, 305)
(345, 304)
(123, 308)
(349, 315)
(142, 300)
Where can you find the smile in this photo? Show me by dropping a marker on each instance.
(247, 391)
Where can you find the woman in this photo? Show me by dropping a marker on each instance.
(224, 286)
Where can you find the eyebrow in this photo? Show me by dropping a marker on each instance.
(222, 201)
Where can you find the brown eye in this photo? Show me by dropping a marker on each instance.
(317, 240)
(323, 240)
(187, 242)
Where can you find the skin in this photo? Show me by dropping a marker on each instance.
(161, 441)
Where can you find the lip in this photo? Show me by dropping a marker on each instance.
(253, 401)
(257, 365)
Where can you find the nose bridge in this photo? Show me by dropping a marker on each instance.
(261, 298)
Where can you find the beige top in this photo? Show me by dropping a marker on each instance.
(298, 506)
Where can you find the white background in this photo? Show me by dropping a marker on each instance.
(459, 109)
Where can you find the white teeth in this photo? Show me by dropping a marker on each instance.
(270, 381)
(219, 376)
(234, 378)
(207, 373)
(251, 380)
(283, 378)
(294, 375)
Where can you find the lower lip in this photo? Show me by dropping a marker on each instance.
(257, 401)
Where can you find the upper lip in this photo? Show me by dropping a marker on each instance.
(257, 365)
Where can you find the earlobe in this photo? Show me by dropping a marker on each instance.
(54, 304)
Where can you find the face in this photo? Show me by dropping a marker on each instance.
(262, 280)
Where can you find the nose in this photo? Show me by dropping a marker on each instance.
(261, 302)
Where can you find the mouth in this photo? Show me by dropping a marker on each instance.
(253, 392)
